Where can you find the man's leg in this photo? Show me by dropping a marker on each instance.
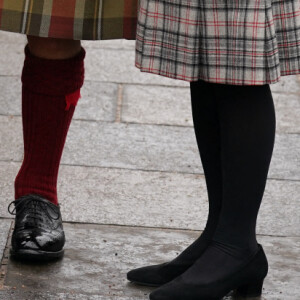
(52, 76)
(49, 48)
(52, 70)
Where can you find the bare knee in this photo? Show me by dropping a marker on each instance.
(53, 48)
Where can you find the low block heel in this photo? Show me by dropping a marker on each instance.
(252, 289)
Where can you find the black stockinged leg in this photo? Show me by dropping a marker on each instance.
(234, 260)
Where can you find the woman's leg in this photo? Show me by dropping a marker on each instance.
(246, 117)
(52, 76)
(248, 124)
(207, 130)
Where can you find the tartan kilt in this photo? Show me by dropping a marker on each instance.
(70, 19)
(238, 42)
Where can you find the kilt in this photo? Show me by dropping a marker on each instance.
(238, 42)
(70, 19)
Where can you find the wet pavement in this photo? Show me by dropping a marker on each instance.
(131, 184)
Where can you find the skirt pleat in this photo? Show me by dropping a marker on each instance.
(222, 41)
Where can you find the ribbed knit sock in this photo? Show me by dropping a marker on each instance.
(50, 91)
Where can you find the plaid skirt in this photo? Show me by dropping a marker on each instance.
(70, 19)
(239, 42)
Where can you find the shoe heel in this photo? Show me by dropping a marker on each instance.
(253, 289)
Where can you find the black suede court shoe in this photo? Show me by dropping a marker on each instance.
(38, 233)
(157, 275)
(247, 281)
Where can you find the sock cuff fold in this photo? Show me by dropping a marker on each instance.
(53, 77)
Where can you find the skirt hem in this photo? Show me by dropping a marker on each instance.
(226, 81)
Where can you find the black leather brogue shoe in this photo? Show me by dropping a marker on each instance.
(38, 233)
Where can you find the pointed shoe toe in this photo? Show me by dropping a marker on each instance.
(158, 275)
(149, 275)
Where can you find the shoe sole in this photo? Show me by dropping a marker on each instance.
(35, 255)
(145, 283)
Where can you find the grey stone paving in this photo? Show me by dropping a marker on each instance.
(118, 66)
(10, 96)
(41, 295)
(157, 105)
(98, 257)
(131, 160)
(141, 147)
(129, 197)
(287, 107)
(171, 106)
(89, 106)
(4, 228)
(151, 104)
(287, 85)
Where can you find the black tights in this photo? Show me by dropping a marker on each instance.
(235, 130)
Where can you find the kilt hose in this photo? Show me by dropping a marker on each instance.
(238, 42)
(70, 19)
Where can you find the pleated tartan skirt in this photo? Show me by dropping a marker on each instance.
(239, 42)
(70, 19)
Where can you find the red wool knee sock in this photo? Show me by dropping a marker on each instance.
(50, 91)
